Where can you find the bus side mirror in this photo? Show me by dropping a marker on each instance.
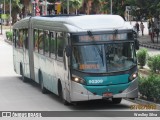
(68, 50)
(137, 44)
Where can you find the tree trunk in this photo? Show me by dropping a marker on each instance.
(14, 18)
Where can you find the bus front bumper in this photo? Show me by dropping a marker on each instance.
(81, 93)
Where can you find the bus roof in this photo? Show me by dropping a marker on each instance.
(79, 23)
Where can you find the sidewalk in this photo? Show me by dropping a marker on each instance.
(145, 41)
(3, 36)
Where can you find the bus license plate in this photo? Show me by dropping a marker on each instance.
(107, 95)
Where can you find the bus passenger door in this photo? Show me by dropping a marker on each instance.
(62, 64)
(26, 54)
(66, 76)
(15, 35)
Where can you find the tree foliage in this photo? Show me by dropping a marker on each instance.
(147, 8)
(16, 8)
(74, 5)
(144, 8)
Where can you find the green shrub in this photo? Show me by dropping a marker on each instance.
(150, 87)
(142, 57)
(141, 87)
(154, 63)
(9, 35)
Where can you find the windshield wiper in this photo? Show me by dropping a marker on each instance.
(99, 51)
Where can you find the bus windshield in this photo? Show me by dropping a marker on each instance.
(104, 58)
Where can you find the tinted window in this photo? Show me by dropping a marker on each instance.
(60, 44)
(46, 43)
(53, 44)
(20, 42)
(14, 37)
(103, 58)
(25, 37)
(40, 41)
(17, 38)
(35, 34)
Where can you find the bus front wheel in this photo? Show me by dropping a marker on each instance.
(116, 100)
(61, 94)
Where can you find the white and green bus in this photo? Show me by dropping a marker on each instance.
(79, 58)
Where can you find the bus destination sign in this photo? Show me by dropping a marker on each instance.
(103, 37)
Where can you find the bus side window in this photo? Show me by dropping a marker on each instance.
(17, 38)
(14, 38)
(60, 44)
(35, 35)
(25, 38)
(40, 42)
(20, 42)
(52, 44)
(46, 43)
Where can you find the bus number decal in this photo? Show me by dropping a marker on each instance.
(95, 81)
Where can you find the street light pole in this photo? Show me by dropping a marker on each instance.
(1, 7)
(111, 7)
(67, 6)
(4, 6)
(10, 15)
(1, 27)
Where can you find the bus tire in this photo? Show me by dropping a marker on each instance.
(43, 89)
(61, 94)
(24, 79)
(116, 100)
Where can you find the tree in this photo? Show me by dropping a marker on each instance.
(146, 8)
(105, 6)
(74, 5)
(16, 8)
(95, 8)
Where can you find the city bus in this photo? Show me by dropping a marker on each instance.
(78, 57)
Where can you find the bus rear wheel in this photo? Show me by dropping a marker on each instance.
(116, 100)
(43, 89)
(24, 79)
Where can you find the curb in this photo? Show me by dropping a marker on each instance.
(7, 41)
(142, 102)
(149, 46)
(143, 71)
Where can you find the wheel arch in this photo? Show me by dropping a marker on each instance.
(21, 68)
(40, 76)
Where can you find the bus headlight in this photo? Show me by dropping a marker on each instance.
(78, 80)
(133, 76)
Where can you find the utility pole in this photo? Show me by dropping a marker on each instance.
(111, 7)
(10, 15)
(44, 7)
(4, 6)
(67, 6)
(45, 4)
(1, 7)
(1, 26)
